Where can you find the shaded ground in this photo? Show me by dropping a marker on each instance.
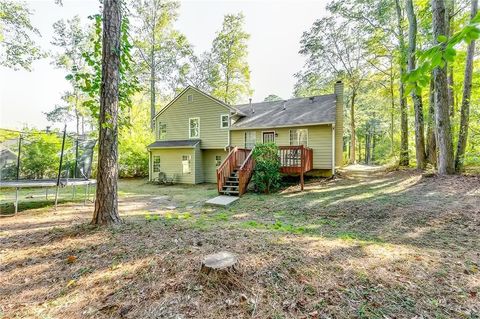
(369, 244)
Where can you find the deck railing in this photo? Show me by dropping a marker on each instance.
(293, 160)
(245, 173)
(234, 160)
(296, 160)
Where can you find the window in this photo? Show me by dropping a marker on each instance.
(186, 164)
(268, 137)
(299, 137)
(250, 139)
(156, 164)
(189, 98)
(194, 127)
(162, 131)
(224, 121)
(218, 160)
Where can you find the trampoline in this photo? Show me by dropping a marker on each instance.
(69, 162)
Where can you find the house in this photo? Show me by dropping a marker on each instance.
(201, 139)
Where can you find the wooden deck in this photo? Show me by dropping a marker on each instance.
(239, 164)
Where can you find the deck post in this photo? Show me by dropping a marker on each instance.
(302, 169)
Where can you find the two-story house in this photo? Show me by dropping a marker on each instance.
(195, 133)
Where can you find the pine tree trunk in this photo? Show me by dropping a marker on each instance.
(106, 203)
(152, 90)
(431, 138)
(442, 116)
(416, 94)
(404, 160)
(465, 108)
(352, 128)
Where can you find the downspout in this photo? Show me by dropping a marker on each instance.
(149, 165)
(333, 149)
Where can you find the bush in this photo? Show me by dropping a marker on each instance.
(266, 175)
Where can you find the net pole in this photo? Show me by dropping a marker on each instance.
(60, 166)
(76, 165)
(18, 157)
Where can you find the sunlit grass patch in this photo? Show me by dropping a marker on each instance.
(276, 226)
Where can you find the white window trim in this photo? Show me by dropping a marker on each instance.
(245, 137)
(159, 133)
(159, 164)
(274, 135)
(221, 120)
(189, 160)
(290, 135)
(189, 127)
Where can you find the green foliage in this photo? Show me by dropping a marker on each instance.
(133, 141)
(91, 79)
(272, 97)
(266, 175)
(18, 48)
(230, 55)
(40, 155)
(443, 52)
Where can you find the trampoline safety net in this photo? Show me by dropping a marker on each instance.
(37, 156)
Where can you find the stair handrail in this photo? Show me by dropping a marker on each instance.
(245, 173)
(221, 177)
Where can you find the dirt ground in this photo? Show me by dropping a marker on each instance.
(367, 244)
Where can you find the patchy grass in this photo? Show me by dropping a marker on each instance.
(364, 245)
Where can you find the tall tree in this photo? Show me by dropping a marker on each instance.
(442, 116)
(106, 202)
(230, 52)
(467, 92)
(71, 38)
(404, 157)
(431, 148)
(18, 48)
(162, 50)
(333, 51)
(415, 91)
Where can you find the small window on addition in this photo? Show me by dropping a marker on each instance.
(190, 98)
(186, 164)
(218, 160)
(156, 164)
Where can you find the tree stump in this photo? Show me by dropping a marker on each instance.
(223, 261)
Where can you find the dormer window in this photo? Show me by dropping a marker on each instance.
(190, 98)
(224, 121)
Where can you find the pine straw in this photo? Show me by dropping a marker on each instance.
(409, 250)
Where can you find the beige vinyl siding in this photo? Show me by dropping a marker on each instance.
(319, 140)
(209, 168)
(199, 173)
(171, 163)
(177, 116)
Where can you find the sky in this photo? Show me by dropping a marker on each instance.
(275, 28)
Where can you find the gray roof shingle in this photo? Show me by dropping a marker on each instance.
(298, 111)
(174, 144)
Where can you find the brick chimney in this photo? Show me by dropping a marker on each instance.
(338, 90)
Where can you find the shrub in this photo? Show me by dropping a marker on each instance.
(266, 175)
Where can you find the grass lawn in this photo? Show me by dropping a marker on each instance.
(363, 245)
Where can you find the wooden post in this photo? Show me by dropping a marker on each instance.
(302, 164)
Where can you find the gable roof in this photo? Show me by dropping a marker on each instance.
(174, 144)
(230, 108)
(299, 111)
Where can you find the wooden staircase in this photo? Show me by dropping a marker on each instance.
(235, 172)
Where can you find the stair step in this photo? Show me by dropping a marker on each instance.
(231, 182)
(230, 192)
(230, 187)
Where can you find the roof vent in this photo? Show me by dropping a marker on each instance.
(312, 98)
(251, 105)
(284, 105)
